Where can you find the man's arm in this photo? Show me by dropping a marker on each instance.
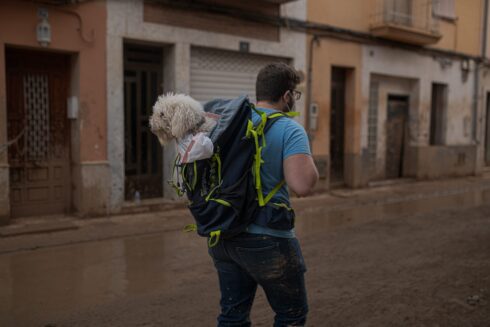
(300, 173)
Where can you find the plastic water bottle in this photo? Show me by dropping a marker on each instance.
(137, 197)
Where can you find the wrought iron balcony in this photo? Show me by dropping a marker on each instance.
(409, 21)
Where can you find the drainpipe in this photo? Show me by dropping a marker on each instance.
(309, 81)
(477, 72)
(475, 102)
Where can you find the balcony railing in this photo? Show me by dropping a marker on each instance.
(408, 21)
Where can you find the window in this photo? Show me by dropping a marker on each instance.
(398, 11)
(444, 9)
(438, 113)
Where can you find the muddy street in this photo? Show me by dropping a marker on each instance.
(386, 259)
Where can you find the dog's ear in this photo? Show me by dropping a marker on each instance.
(185, 119)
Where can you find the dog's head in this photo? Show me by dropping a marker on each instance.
(174, 116)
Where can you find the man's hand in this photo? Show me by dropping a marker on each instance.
(300, 173)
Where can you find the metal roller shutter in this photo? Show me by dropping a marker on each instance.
(225, 74)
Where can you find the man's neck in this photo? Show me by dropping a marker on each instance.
(268, 105)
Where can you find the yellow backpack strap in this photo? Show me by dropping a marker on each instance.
(281, 205)
(194, 178)
(190, 228)
(258, 132)
(175, 182)
(221, 201)
(274, 191)
(253, 132)
(217, 159)
(290, 114)
(214, 238)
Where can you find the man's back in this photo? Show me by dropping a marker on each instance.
(285, 138)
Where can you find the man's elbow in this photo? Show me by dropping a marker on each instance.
(301, 193)
(307, 187)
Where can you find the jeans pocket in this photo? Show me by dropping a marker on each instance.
(263, 263)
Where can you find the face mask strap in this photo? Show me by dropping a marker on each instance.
(290, 108)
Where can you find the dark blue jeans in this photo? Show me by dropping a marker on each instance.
(274, 263)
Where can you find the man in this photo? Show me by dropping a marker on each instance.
(268, 254)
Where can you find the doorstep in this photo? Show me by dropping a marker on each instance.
(389, 182)
(37, 225)
(151, 205)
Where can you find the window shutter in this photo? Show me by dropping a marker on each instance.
(444, 8)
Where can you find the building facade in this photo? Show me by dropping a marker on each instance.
(399, 89)
(78, 80)
(53, 135)
(393, 89)
(207, 49)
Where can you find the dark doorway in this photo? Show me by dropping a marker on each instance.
(337, 125)
(487, 132)
(438, 113)
(39, 158)
(143, 71)
(396, 130)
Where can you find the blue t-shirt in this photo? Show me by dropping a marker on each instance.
(285, 138)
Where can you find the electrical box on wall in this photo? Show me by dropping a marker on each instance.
(313, 116)
(72, 108)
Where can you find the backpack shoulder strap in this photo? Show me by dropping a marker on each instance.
(258, 132)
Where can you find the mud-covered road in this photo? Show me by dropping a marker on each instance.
(413, 261)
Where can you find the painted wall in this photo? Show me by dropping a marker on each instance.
(404, 64)
(125, 22)
(18, 22)
(398, 72)
(328, 53)
(434, 162)
(397, 68)
(354, 14)
(483, 144)
(461, 34)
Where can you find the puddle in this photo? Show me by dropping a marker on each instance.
(319, 219)
(40, 286)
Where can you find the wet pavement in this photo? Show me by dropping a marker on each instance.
(165, 277)
(40, 286)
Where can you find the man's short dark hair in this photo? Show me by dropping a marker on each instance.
(274, 80)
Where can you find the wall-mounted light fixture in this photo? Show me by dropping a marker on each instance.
(465, 69)
(43, 29)
(465, 65)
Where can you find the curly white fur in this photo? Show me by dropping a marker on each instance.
(177, 115)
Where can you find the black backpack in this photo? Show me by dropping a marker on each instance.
(225, 191)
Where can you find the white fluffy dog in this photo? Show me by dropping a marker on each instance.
(176, 116)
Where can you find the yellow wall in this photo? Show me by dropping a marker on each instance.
(330, 53)
(469, 25)
(352, 14)
(462, 34)
(18, 22)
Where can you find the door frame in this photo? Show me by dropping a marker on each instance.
(130, 64)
